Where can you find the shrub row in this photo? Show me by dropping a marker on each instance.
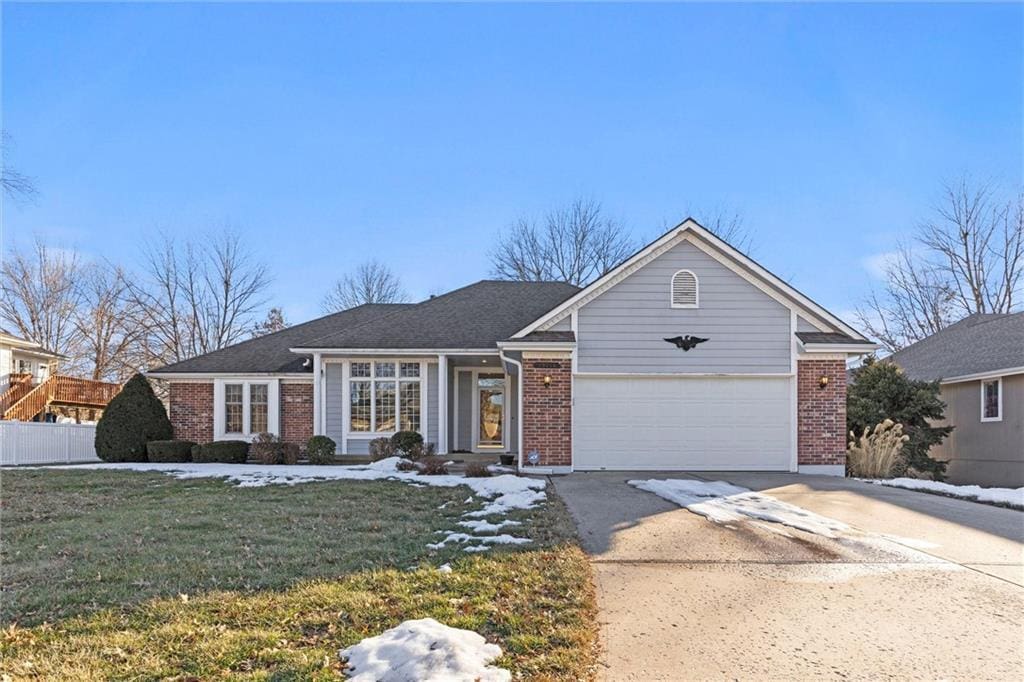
(266, 449)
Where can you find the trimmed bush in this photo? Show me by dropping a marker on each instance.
(169, 450)
(405, 441)
(320, 450)
(223, 451)
(132, 419)
(406, 465)
(477, 470)
(290, 453)
(381, 448)
(433, 466)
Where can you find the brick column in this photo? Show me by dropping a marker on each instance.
(547, 409)
(821, 413)
(296, 412)
(192, 411)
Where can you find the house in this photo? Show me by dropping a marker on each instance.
(687, 356)
(20, 357)
(31, 389)
(979, 364)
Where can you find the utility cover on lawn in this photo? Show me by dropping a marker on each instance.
(424, 650)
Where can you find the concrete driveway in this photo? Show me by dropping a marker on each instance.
(925, 587)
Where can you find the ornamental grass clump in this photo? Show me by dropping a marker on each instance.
(877, 452)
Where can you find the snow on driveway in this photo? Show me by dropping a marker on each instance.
(1013, 497)
(725, 503)
(424, 650)
(503, 493)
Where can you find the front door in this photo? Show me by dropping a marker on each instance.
(491, 410)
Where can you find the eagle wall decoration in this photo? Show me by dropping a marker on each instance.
(686, 342)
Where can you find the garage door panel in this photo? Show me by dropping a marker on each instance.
(682, 423)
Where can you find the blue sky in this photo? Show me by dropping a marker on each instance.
(330, 134)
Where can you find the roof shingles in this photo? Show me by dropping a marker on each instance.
(977, 344)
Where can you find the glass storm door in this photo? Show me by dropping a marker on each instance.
(491, 402)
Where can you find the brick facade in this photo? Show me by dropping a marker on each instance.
(821, 412)
(547, 410)
(192, 411)
(296, 413)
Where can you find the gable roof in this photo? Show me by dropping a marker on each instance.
(714, 247)
(26, 345)
(477, 316)
(977, 344)
(270, 354)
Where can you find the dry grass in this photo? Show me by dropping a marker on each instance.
(334, 569)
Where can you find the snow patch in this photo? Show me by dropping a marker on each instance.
(484, 539)
(725, 503)
(424, 650)
(1013, 497)
(487, 527)
(444, 568)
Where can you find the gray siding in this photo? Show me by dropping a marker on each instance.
(803, 325)
(984, 453)
(512, 395)
(622, 330)
(465, 411)
(334, 395)
(433, 409)
(563, 325)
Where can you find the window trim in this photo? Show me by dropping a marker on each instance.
(672, 287)
(220, 431)
(397, 379)
(998, 381)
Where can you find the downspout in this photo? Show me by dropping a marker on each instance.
(519, 392)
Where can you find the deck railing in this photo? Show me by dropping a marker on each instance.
(18, 385)
(64, 390)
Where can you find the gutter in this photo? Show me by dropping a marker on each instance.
(519, 394)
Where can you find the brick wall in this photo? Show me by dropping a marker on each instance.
(821, 412)
(547, 410)
(192, 411)
(296, 412)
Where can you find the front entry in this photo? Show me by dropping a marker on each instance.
(490, 409)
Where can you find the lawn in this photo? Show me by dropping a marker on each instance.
(125, 574)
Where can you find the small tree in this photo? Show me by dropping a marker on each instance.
(132, 419)
(881, 391)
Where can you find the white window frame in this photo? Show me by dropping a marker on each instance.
(998, 381)
(398, 379)
(696, 290)
(219, 413)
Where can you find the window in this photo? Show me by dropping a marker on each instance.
(385, 397)
(409, 405)
(684, 290)
(992, 400)
(258, 395)
(233, 408)
(244, 408)
(359, 395)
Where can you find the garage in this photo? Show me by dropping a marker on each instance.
(683, 423)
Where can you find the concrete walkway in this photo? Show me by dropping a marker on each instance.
(930, 587)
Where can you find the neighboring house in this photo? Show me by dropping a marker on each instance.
(22, 357)
(32, 390)
(561, 377)
(979, 363)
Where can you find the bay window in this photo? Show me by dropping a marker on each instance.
(384, 397)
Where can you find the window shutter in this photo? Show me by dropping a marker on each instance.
(684, 289)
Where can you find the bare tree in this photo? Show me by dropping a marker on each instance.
(728, 226)
(40, 293)
(968, 259)
(13, 183)
(274, 322)
(980, 241)
(915, 303)
(198, 296)
(575, 244)
(372, 282)
(108, 341)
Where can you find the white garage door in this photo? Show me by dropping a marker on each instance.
(695, 423)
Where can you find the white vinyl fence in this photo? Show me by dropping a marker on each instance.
(42, 443)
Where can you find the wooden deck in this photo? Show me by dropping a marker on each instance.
(23, 402)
